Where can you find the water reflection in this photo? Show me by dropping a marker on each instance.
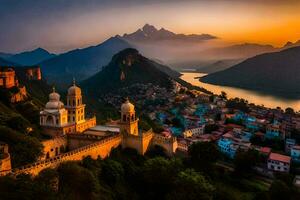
(251, 96)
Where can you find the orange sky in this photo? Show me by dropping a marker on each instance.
(66, 25)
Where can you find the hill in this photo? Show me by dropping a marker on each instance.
(273, 73)
(81, 63)
(126, 68)
(31, 57)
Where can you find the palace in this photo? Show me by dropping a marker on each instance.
(57, 119)
(74, 136)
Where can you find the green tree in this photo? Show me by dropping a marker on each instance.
(191, 185)
(244, 161)
(76, 182)
(279, 190)
(202, 155)
(112, 171)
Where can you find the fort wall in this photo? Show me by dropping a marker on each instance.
(169, 144)
(54, 147)
(100, 149)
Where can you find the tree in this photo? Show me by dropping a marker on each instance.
(76, 182)
(165, 172)
(244, 161)
(279, 190)
(190, 185)
(112, 171)
(203, 154)
(289, 111)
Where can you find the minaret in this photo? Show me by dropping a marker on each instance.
(129, 122)
(75, 107)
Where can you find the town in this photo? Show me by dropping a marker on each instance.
(180, 118)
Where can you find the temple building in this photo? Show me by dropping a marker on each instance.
(57, 119)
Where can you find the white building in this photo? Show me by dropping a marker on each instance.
(278, 162)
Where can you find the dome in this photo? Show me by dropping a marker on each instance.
(54, 105)
(74, 90)
(127, 107)
(54, 96)
(54, 101)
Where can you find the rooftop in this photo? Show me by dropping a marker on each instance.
(105, 128)
(280, 157)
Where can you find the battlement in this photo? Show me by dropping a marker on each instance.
(101, 149)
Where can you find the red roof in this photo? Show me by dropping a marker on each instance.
(265, 150)
(280, 158)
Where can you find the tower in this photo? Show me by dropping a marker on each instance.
(75, 107)
(129, 121)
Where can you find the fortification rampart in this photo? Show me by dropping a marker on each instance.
(101, 149)
(169, 144)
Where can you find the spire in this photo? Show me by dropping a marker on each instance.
(74, 81)
(126, 99)
(53, 89)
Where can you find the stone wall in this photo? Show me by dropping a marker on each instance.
(169, 144)
(101, 149)
(21, 95)
(54, 147)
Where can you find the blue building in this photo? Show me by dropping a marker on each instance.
(295, 153)
(227, 147)
(273, 131)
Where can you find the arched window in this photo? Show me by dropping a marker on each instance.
(124, 118)
(47, 155)
(49, 120)
(74, 103)
(132, 117)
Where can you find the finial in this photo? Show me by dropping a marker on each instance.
(127, 99)
(74, 82)
(53, 89)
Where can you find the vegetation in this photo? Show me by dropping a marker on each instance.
(127, 175)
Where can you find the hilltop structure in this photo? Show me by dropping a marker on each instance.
(8, 77)
(75, 137)
(57, 119)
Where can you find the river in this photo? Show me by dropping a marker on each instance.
(252, 96)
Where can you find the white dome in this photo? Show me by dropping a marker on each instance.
(54, 96)
(54, 105)
(54, 101)
(127, 107)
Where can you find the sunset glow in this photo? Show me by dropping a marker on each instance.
(76, 25)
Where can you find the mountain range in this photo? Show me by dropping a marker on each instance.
(81, 63)
(31, 57)
(276, 73)
(151, 34)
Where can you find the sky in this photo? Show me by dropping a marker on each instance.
(62, 25)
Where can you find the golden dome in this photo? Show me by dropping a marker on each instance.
(127, 107)
(74, 90)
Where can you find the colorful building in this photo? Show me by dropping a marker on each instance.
(279, 162)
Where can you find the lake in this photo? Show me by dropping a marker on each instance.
(252, 96)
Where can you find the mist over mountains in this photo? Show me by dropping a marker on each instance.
(276, 73)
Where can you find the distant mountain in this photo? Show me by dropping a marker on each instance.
(151, 34)
(4, 62)
(81, 63)
(238, 51)
(5, 55)
(31, 57)
(218, 66)
(291, 44)
(275, 73)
